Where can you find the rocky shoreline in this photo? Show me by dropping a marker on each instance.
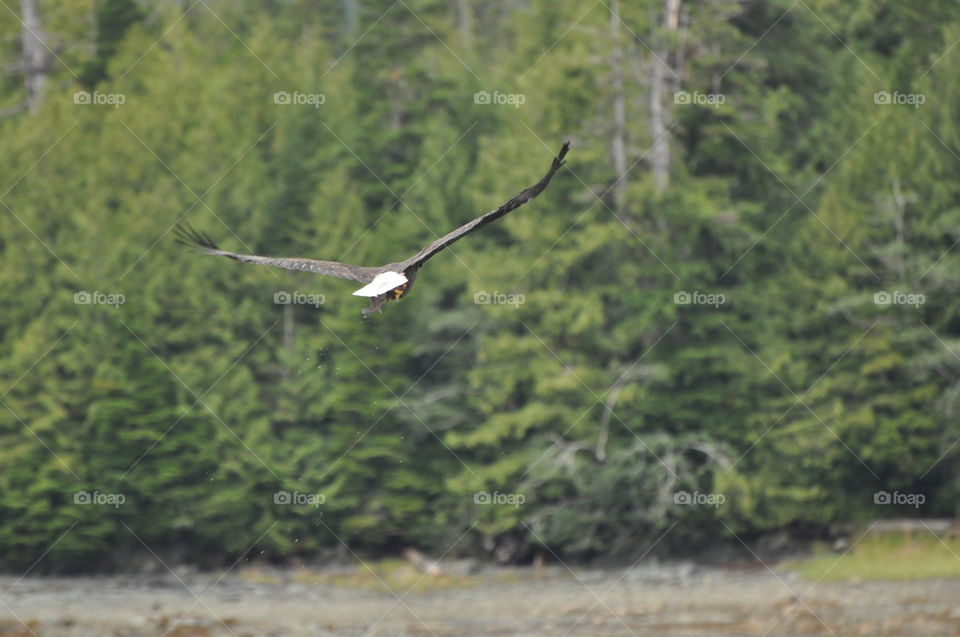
(677, 599)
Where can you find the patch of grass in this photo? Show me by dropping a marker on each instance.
(888, 556)
(396, 574)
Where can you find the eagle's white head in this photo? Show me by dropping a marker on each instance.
(381, 284)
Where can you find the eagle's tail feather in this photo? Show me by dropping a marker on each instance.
(376, 305)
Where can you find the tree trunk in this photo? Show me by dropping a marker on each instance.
(660, 152)
(899, 208)
(34, 54)
(351, 13)
(465, 22)
(618, 145)
(288, 335)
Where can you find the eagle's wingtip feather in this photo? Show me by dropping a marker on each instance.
(559, 159)
(187, 235)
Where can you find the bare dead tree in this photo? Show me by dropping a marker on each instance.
(351, 12)
(34, 54)
(618, 144)
(288, 334)
(659, 78)
(465, 22)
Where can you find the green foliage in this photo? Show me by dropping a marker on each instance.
(595, 397)
(113, 19)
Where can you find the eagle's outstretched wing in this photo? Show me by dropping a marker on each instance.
(188, 236)
(522, 198)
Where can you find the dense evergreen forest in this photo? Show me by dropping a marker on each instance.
(731, 314)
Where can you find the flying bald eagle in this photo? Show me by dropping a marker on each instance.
(390, 282)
